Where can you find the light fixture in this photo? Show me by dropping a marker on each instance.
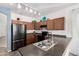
(39, 14)
(11, 3)
(26, 4)
(26, 8)
(30, 10)
(35, 12)
(19, 6)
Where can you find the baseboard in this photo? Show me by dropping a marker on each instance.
(56, 35)
(2, 37)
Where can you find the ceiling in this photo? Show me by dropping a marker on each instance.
(43, 8)
(47, 8)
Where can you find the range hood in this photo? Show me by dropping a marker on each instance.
(43, 26)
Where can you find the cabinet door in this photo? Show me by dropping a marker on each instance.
(37, 26)
(30, 26)
(43, 23)
(59, 24)
(50, 25)
(30, 39)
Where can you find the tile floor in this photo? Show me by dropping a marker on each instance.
(3, 41)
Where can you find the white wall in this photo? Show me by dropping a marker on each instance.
(75, 39)
(3, 25)
(74, 44)
(67, 14)
(14, 16)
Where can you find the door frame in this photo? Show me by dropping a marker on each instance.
(7, 12)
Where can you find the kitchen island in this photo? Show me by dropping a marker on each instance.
(57, 50)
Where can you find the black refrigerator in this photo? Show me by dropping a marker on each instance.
(18, 36)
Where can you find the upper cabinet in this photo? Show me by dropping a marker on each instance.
(30, 26)
(50, 25)
(18, 22)
(59, 23)
(37, 26)
(43, 23)
(55, 24)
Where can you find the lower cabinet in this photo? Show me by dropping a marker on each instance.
(31, 39)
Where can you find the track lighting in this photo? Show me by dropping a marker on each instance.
(19, 6)
(26, 8)
(39, 14)
(35, 12)
(30, 10)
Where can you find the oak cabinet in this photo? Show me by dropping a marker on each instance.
(30, 39)
(30, 26)
(18, 22)
(55, 24)
(59, 24)
(37, 26)
(43, 23)
(50, 25)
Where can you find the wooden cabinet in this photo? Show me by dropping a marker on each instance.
(50, 24)
(59, 23)
(37, 26)
(30, 26)
(18, 22)
(55, 24)
(43, 23)
(30, 39)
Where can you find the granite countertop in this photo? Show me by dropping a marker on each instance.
(57, 50)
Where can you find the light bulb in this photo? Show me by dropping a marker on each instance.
(26, 8)
(19, 6)
(35, 12)
(30, 10)
(39, 14)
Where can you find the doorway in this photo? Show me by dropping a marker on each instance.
(3, 31)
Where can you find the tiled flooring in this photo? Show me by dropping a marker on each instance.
(31, 50)
(3, 48)
(3, 52)
(3, 41)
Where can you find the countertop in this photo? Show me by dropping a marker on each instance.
(57, 50)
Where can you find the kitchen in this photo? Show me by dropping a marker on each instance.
(39, 33)
(35, 33)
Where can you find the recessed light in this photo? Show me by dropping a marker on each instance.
(19, 6)
(26, 8)
(30, 10)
